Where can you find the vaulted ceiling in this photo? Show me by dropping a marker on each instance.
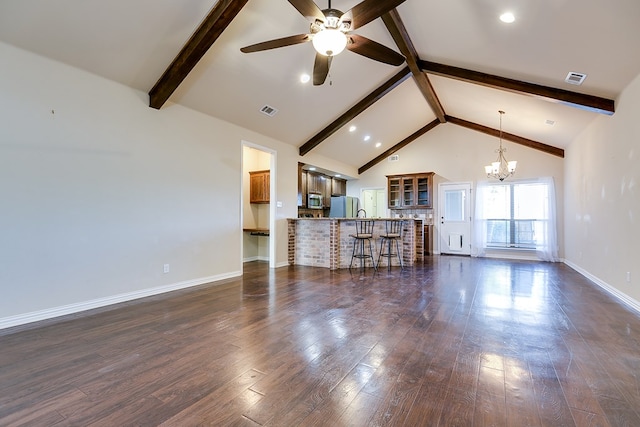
(462, 65)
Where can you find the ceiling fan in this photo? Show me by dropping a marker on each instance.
(330, 33)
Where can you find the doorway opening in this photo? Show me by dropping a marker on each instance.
(374, 202)
(258, 212)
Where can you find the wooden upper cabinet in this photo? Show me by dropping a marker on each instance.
(315, 183)
(305, 191)
(259, 189)
(338, 187)
(410, 191)
(326, 193)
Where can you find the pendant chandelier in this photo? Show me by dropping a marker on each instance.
(501, 168)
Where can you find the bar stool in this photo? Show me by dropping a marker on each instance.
(393, 234)
(364, 232)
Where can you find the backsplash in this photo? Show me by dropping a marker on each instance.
(426, 214)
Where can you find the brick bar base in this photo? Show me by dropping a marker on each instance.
(325, 242)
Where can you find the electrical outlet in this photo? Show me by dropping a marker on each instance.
(628, 276)
(165, 268)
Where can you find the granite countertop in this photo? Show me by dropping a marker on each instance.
(352, 219)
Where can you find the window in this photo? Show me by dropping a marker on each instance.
(517, 215)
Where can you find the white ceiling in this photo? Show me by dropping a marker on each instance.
(134, 41)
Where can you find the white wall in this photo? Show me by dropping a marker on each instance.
(457, 154)
(99, 191)
(602, 197)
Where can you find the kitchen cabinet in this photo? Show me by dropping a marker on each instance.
(315, 183)
(302, 187)
(338, 187)
(326, 194)
(259, 182)
(410, 191)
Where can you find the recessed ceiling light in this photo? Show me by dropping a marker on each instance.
(550, 122)
(352, 128)
(304, 78)
(378, 144)
(507, 17)
(366, 138)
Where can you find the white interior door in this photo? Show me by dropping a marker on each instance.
(455, 218)
(374, 202)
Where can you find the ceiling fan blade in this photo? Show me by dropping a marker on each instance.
(373, 50)
(273, 44)
(321, 69)
(368, 10)
(308, 9)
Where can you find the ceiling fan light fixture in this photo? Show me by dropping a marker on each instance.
(329, 42)
(507, 17)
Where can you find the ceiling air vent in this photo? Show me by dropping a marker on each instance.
(268, 110)
(575, 78)
(394, 158)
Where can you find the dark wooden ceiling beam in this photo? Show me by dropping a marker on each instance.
(508, 136)
(207, 33)
(400, 35)
(417, 134)
(365, 103)
(574, 99)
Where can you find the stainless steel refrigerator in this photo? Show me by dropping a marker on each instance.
(343, 207)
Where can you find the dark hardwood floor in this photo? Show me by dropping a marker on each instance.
(456, 342)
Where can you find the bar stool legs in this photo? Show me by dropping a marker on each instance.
(393, 234)
(360, 253)
(364, 232)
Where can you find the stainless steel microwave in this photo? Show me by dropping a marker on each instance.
(314, 201)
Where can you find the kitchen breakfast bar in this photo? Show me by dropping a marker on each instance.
(326, 242)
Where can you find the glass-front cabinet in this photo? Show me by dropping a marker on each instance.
(393, 188)
(423, 191)
(410, 191)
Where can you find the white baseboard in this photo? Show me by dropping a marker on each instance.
(626, 299)
(35, 316)
(514, 254)
(255, 258)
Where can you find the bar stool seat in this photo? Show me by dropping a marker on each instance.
(392, 235)
(364, 233)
